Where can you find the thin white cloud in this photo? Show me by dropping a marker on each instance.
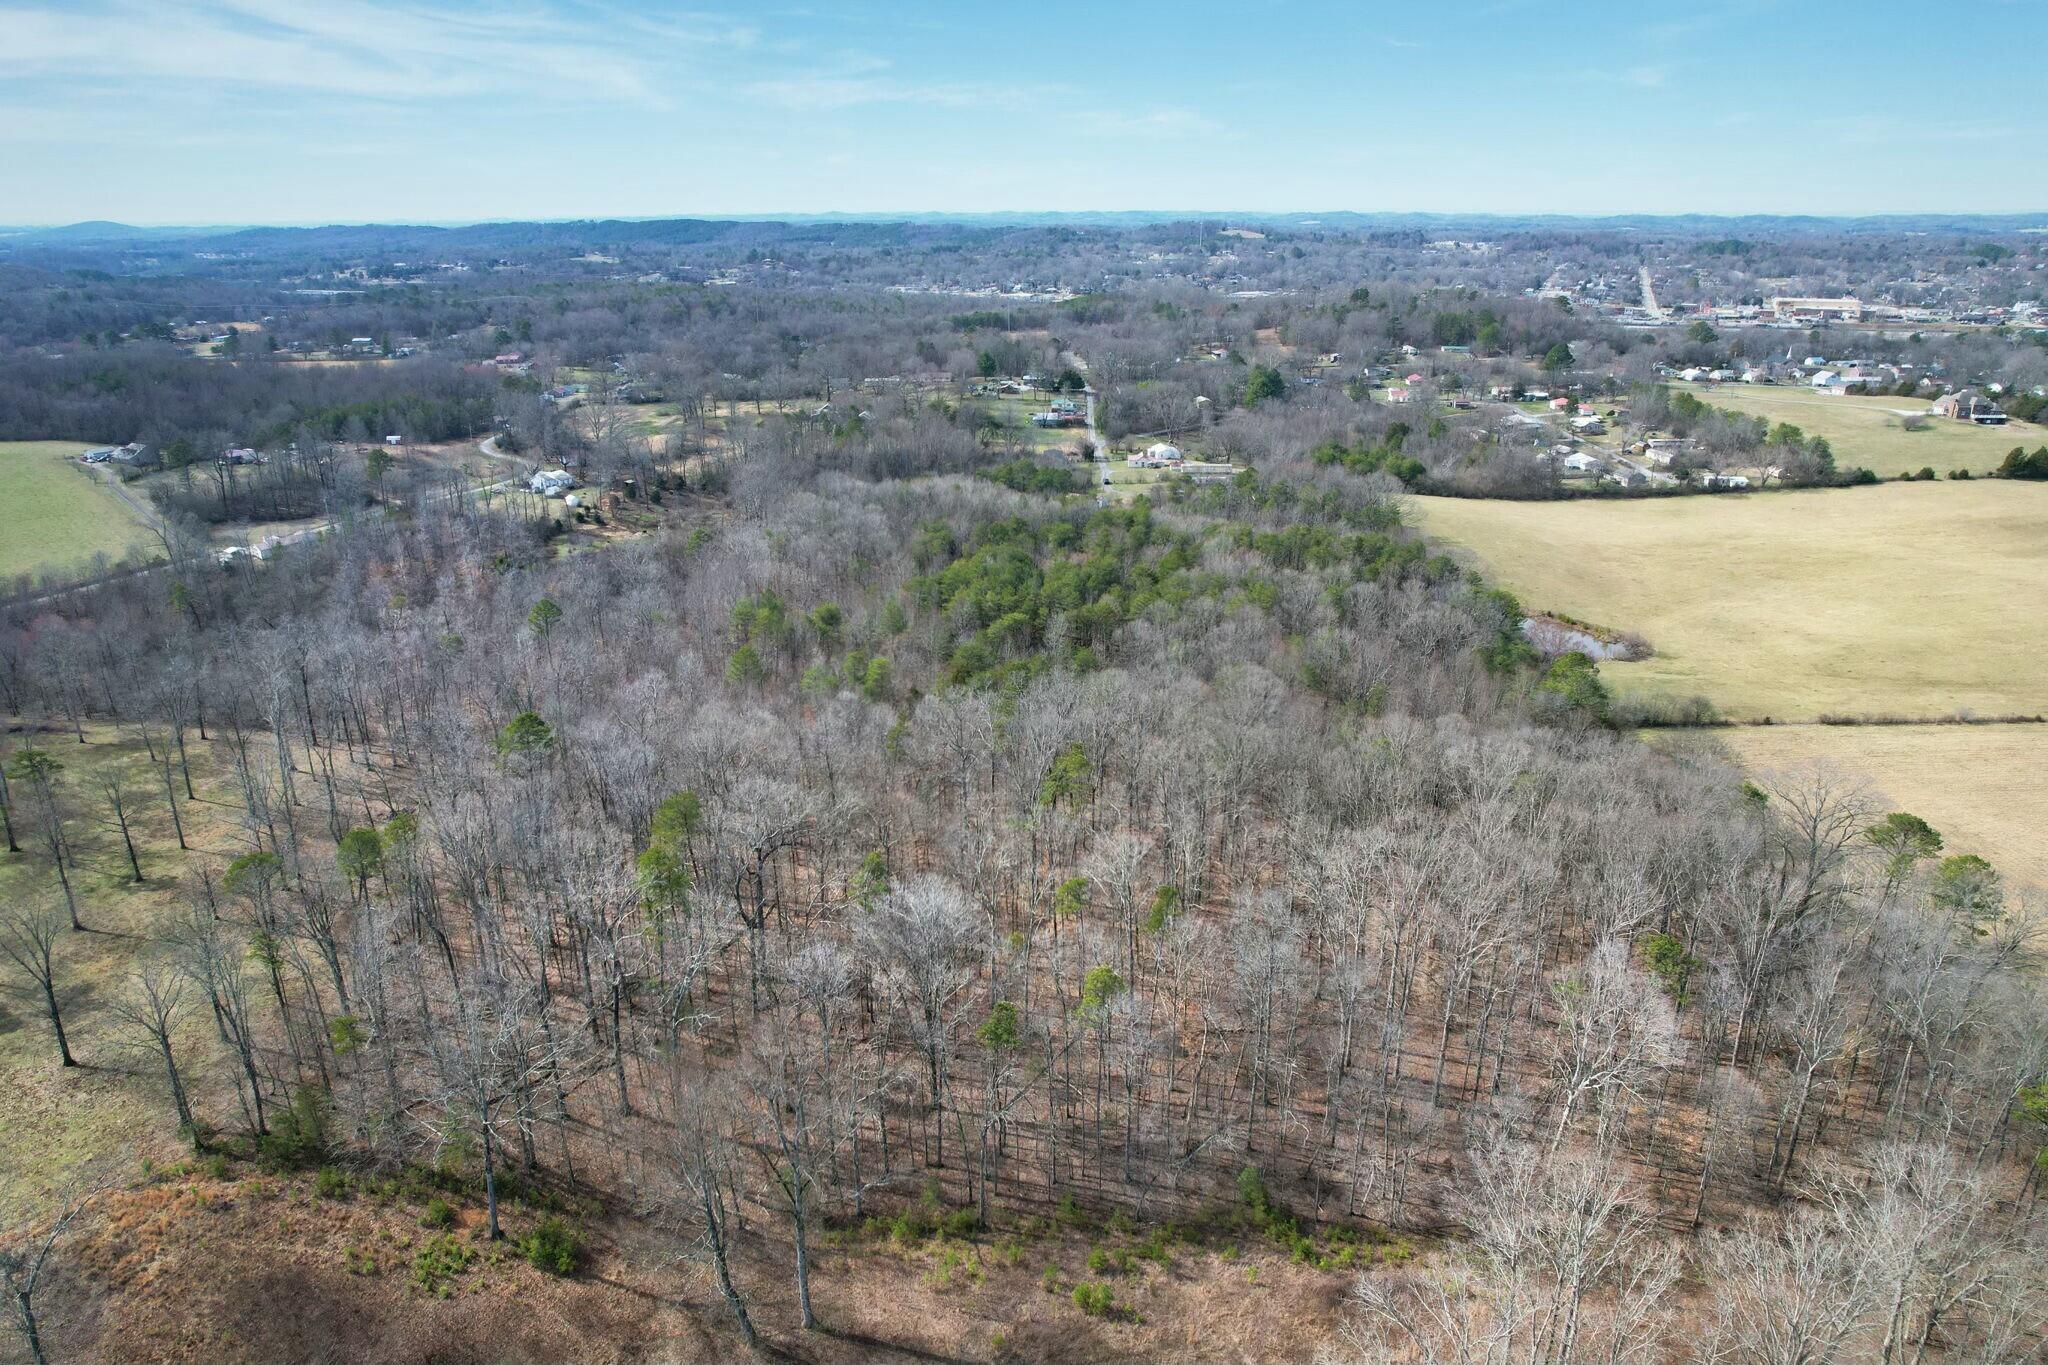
(1871, 130)
(1162, 124)
(812, 93)
(359, 48)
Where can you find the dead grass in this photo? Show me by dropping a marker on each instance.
(1985, 787)
(1870, 431)
(114, 1106)
(1912, 599)
(186, 1266)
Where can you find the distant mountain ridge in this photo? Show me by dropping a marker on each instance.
(845, 227)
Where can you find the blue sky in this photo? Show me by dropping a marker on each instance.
(214, 111)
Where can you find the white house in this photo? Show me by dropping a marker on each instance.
(551, 482)
(1581, 463)
(1159, 455)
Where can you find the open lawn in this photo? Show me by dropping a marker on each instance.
(1919, 600)
(58, 514)
(1985, 787)
(1012, 413)
(1870, 431)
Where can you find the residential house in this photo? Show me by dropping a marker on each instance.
(1963, 406)
(1663, 450)
(550, 483)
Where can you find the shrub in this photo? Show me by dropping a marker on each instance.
(1094, 1299)
(440, 1214)
(553, 1246)
(961, 1259)
(912, 1225)
(439, 1260)
(331, 1183)
(1050, 1280)
(960, 1223)
(1251, 1188)
(298, 1133)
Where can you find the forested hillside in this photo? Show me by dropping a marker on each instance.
(875, 831)
(958, 817)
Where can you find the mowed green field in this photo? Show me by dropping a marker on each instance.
(57, 514)
(1870, 431)
(1919, 600)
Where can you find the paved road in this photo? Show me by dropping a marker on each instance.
(1097, 451)
(1649, 295)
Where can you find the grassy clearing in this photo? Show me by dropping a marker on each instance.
(1012, 412)
(1911, 599)
(1985, 787)
(1870, 431)
(114, 1105)
(57, 513)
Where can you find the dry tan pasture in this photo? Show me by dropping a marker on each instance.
(1920, 600)
(1870, 430)
(1985, 787)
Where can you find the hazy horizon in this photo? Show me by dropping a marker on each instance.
(1302, 217)
(262, 112)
